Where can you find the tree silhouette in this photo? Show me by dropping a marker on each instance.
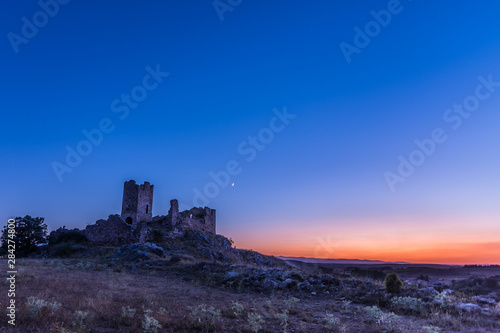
(29, 233)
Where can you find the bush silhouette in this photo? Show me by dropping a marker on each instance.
(63, 235)
(62, 250)
(158, 236)
(29, 233)
(368, 273)
(392, 283)
(490, 283)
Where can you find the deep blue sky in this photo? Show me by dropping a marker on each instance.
(323, 172)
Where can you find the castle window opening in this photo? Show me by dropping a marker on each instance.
(128, 220)
(147, 209)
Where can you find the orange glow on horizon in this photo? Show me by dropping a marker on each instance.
(482, 253)
(448, 242)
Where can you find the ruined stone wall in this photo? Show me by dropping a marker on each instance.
(174, 212)
(113, 231)
(145, 202)
(142, 232)
(136, 222)
(203, 219)
(137, 204)
(129, 202)
(210, 219)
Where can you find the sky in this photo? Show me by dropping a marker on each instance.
(332, 129)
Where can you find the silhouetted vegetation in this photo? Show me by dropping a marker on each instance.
(392, 283)
(158, 235)
(63, 235)
(368, 273)
(423, 277)
(29, 233)
(63, 250)
(481, 266)
(477, 285)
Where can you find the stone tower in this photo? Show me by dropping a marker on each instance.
(137, 204)
(174, 211)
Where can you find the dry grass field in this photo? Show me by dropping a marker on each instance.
(84, 295)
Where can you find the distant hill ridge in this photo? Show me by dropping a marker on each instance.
(357, 262)
(342, 261)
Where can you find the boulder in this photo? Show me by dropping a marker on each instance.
(470, 307)
(136, 252)
(484, 300)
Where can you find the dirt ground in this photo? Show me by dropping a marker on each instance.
(60, 295)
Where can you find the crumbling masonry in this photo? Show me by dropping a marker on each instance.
(137, 224)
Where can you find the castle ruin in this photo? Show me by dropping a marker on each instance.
(137, 203)
(137, 224)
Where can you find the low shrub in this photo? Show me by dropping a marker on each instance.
(205, 317)
(368, 273)
(158, 236)
(237, 308)
(386, 320)
(392, 283)
(63, 250)
(423, 277)
(408, 305)
(36, 307)
(331, 322)
(255, 321)
(150, 324)
(490, 283)
(62, 235)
